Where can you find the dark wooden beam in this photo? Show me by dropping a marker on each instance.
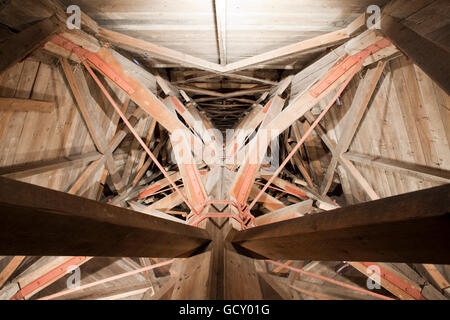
(19, 46)
(412, 227)
(431, 57)
(42, 222)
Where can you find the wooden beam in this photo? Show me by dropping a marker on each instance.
(25, 105)
(365, 185)
(221, 29)
(290, 212)
(30, 169)
(436, 275)
(88, 108)
(410, 169)
(412, 227)
(268, 202)
(233, 94)
(19, 46)
(141, 46)
(287, 186)
(42, 274)
(10, 268)
(143, 97)
(338, 74)
(352, 119)
(430, 56)
(386, 282)
(48, 222)
(322, 41)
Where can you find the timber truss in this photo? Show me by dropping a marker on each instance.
(218, 211)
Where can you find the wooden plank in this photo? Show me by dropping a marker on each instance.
(312, 155)
(85, 176)
(410, 227)
(167, 203)
(241, 279)
(289, 187)
(155, 213)
(220, 7)
(192, 282)
(88, 109)
(10, 268)
(351, 169)
(49, 222)
(410, 169)
(437, 276)
(16, 119)
(277, 284)
(29, 169)
(402, 295)
(352, 120)
(290, 212)
(25, 105)
(269, 202)
(133, 154)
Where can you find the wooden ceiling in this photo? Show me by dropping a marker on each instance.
(251, 26)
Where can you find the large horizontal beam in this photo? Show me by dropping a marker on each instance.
(42, 222)
(412, 227)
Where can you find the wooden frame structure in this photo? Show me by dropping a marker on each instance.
(162, 202)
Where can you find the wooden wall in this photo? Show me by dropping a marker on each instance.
(28, 137)
(408, 119)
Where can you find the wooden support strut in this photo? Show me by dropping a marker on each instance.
(84, 55)
(341, 73)
(95, 60)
